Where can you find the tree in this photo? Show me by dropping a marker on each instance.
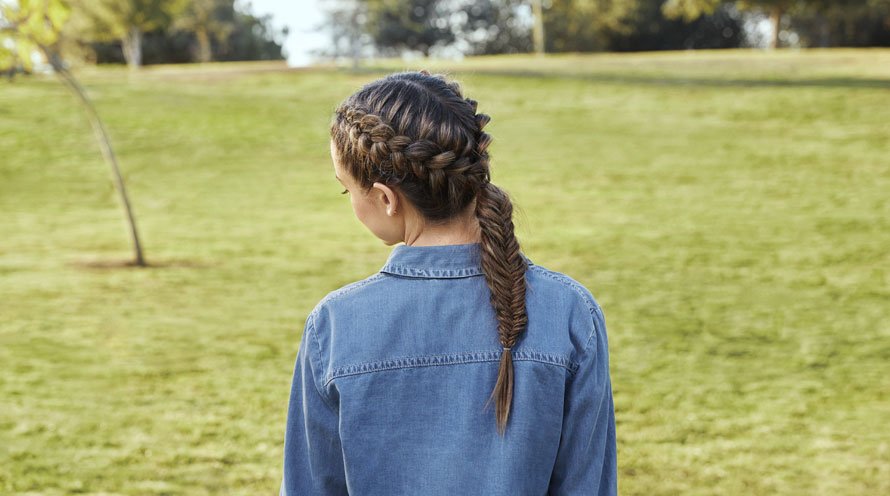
(346, 22)
(253, 38)
(490, 27)
(473, 27)
(651, 30)
(208, 20)
(126, 21)
(586, 25)
(842, 12)
(396, 25)
(538, 14)
(776, 9)
(845, 23)
(239, 35)
(692, 9)
(29, 26)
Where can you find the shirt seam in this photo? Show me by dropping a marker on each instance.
(458, 272)
(446, 359)
(337, 293)
(314, 338)
(330, 297)
(443, 273)
(592, 307)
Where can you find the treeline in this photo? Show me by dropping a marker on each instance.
(473, 27)
(138, 32)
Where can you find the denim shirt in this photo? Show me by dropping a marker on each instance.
(393, 372)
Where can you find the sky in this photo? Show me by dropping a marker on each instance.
(300, 16)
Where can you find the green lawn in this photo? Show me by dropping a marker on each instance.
(729, 210)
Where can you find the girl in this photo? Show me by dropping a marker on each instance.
(395, 373)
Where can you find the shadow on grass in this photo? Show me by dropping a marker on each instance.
(104, 264)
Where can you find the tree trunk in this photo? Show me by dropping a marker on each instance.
(131, 44)
(538, 30)
(849, 29)
(205, 54)
(824, 32)
(104, 144)
(775, 18)
(355, 37)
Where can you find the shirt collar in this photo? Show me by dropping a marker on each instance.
(440, 261)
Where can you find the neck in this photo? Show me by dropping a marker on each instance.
(461, 230)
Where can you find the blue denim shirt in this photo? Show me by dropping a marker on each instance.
(393, 372)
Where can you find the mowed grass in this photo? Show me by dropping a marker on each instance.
(729, 210)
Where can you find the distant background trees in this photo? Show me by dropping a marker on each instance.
(813, 22)
(138, 32)
(387, 27)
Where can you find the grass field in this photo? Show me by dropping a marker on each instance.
(729, 210)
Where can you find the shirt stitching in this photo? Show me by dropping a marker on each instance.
(337, 293)
(447, 359)
(312, 337)
(333, 295)
(523, 352)
(592, 307)
(414, 271)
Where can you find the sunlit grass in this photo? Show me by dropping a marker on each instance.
(729, 210)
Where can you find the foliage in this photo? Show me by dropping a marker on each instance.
(689, 10)
(238, 36)
(491, 27)
(158, 31)
(845, 23)
(496, 26)
(28, 27)
(586, 25)
(817, 22)
(112, 19)
(126, 21)
(397, 25)
(208, 20)
(345, 21)
(652, 30)
(253, 37)
(474, 26)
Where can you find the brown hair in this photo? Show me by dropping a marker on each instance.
(416, 131)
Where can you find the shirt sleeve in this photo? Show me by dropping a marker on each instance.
(313, 459)
(586, 459)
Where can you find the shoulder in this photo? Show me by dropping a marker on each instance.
(561, 290)
(346, 293)
(561, 282)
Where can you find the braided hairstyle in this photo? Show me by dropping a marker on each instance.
(415, 131)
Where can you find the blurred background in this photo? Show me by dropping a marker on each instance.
(715, 172)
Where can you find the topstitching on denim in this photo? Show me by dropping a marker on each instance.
(467, 271)
(592, 305)
(337, 293)
(446, 273)
(447, 359)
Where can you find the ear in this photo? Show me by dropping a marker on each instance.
(388, 198)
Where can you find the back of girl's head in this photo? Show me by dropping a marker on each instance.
(416, 132)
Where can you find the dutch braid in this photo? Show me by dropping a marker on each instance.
(397, 156)
(416, 130)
